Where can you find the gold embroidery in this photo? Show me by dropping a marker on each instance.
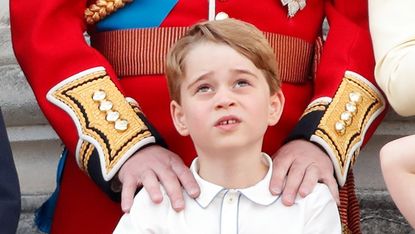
(111, 143)
(102, 8)
(317, 105)
(85, 153)
(345, 139)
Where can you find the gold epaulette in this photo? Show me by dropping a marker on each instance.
(103, 8)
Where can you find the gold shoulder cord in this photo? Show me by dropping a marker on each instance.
(102, 8)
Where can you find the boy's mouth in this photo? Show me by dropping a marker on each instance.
(227, 120)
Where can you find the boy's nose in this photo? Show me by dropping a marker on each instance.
(224, 99)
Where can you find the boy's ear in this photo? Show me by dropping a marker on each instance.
(276, 107)
(179, 119)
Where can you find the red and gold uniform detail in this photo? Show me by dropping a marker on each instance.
(345, 121)
(103, 117)
(51, 48)
(85, 152)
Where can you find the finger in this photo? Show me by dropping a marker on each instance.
(279, 174)
(186, 178)
(129, 187)
(309, 181)
(152, 186)
(294, 179)
(173, 188)
(333, 187)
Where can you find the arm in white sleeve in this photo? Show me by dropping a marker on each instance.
(392, 25)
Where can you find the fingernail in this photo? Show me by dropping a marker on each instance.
(193, 191)
(178, 204)
(288, 201)
(275, 191)
(303, 193)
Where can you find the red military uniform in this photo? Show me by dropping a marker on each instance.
(330, 96)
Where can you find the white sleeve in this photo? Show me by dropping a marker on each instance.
(393, 34)
(144, 216)
(322, 215)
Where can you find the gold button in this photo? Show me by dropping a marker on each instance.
(351, 107)
(340, 127)
(99, 95)
(346, 117)
(221, 16)
(112, 116)
(121, 125)
(105, 106)
(355, 97)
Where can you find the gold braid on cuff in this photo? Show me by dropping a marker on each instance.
(341, 131)
(103, 8)
(104, 119)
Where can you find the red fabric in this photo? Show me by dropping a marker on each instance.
(82, 207)
(48, 41)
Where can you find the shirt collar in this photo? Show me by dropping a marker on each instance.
(258, 193)
(208, 190)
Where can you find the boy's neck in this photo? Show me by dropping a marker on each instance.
(232, 169)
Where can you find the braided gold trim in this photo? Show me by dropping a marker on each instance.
(91, 98)
(317, 105)
(344, 146)
(85, 153)
(103, 8)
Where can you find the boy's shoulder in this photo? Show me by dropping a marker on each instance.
(148, 213)
(143, 200)
(321, 188)
(320, 194)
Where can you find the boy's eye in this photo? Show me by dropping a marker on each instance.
(241, 83)
(203, 89)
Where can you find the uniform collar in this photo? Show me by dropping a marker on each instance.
(258, 193)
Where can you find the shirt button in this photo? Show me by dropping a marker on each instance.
(221, 16)
(232, 196)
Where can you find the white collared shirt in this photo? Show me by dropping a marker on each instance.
(228, 211)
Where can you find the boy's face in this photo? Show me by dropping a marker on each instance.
(225, 99)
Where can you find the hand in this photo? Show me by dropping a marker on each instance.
(151, 166)
(298, 166)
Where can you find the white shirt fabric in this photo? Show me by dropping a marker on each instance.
(228, 211)
(392, 26)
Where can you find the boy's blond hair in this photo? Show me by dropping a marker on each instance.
(241, 36)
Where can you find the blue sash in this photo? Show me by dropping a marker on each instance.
(138, 14)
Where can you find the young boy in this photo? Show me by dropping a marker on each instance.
(225, 92)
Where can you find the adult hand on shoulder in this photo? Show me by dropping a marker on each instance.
(298, 166)
(151, 166)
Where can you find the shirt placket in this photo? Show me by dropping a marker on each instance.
(229, 212)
